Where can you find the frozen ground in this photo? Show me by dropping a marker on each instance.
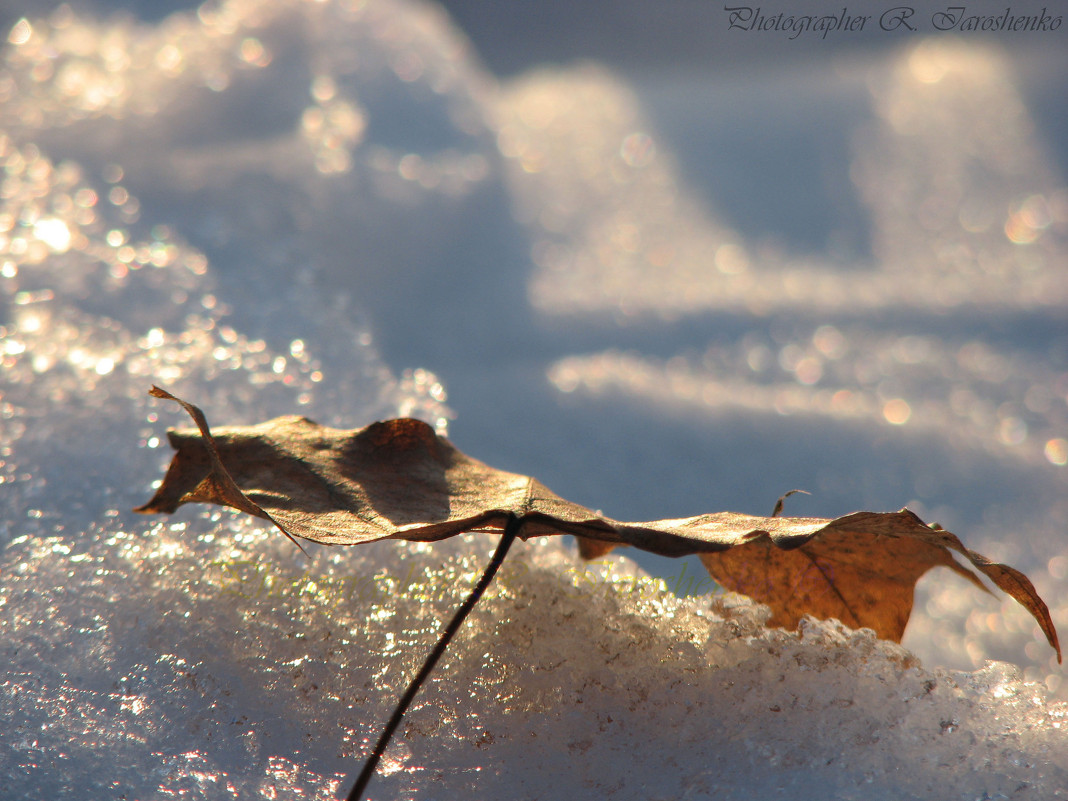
(661, 285)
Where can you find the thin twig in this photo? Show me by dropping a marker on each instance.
(511, 529)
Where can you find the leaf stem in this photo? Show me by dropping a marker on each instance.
(511, 529)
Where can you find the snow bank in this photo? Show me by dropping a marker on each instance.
(206, 659)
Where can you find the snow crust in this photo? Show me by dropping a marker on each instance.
(208, 661)
(222, 204)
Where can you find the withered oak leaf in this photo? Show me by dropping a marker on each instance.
(398, 479)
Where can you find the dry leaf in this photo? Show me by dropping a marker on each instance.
(398, 479)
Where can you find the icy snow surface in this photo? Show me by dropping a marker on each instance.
(272, 206)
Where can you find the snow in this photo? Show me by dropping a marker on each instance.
(335, 209)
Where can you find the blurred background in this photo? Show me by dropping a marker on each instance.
(665, 265)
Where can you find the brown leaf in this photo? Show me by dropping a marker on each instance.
(394, 479)
(398, 479)
(849, 574)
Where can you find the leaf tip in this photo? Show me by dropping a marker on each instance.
(779, 503)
